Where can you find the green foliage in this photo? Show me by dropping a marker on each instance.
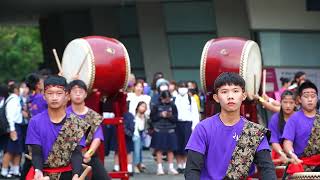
(20, 51)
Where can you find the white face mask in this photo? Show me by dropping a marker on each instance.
(164, 88)
(183, 91)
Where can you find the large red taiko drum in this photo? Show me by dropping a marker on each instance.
(231, 55)
(104, 62)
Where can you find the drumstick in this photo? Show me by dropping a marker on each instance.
(254, 85)
(82, 63)
(57, 59)
(28, 156)
(264, 77)
(85, 172)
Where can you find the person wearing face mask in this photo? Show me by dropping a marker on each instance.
(161, 85)
(164, 116)
(188, 118)
(194, 92)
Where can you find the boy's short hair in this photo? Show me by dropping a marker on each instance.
(32, 80)
(78, 83)
(229, 78)
(307, 84)
(55, 80)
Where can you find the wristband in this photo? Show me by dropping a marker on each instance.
(281, 152)
(261, 100)
(291, 153)
(270, 100)
(37, 170)
(90, 151)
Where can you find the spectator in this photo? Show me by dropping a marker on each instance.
(285, 82)
(194, 92)
(156, 76)
(164, 117)
(138, 135)
(14, 146)
(299, 78)
(162, 85)
(137, 96)
(188, 118)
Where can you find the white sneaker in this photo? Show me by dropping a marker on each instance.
(160, 172)
(172, 171)
(136, 170)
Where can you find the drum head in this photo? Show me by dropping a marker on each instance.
(79, 52)
(251, 67)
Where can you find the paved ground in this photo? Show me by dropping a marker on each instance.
(151, 169)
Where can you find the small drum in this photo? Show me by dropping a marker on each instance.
(231, 55)
(102, 63)
(306, 175)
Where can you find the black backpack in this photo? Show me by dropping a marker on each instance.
(128, 124)
(4, 125)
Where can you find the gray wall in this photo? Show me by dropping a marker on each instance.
(282, 14)
(153, 39)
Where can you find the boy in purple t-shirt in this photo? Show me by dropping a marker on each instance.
(298, 129)
(47, 131)
(225, 145)
(37, 104)
(78, 93)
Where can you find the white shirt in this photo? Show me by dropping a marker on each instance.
(174, 93)
(134, 100)
(187, 112)
(1, 102)
(13, 111)
(139, 125)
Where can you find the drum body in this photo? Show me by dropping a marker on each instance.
(231, 55)
(105, 63)
(306, 175)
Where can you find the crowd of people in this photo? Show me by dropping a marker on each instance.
(160, 117)
(164, 117)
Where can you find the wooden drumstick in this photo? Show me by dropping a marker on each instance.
(264, 77)
(85, 172)
(84, 60)
(28, 156)
(57, 60)
(254, 85)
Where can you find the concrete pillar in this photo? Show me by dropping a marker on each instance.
(153, 39)
(232, 18)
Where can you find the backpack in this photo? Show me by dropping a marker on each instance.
(128, 124)
(4, 125)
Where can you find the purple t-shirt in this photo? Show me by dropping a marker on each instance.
(43, 132)
(298, 130)
(276, 136)
(38, 104)
(97, 134)
(217, 142)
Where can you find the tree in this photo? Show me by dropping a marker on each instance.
(20, 51)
